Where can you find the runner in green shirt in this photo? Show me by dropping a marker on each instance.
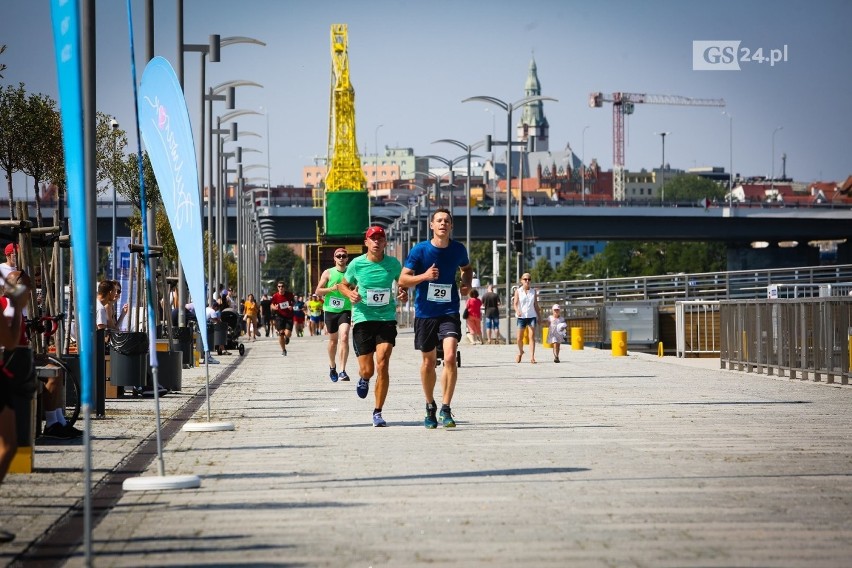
(368, 283)
(338, 315)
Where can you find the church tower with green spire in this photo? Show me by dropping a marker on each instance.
(533, 127)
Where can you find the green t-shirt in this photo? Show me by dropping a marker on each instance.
(374, 281)
(335, 302)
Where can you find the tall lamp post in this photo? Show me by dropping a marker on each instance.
(467, 148)
(509, 108)
(114, 124)
(772, 179)
(583, 167)
(450, 165)
(730, 157)
(376, 161)
(663, 135)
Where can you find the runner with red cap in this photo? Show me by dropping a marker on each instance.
(368, 283)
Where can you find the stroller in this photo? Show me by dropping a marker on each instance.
(231, 319)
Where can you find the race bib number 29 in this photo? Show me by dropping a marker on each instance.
(439, 292)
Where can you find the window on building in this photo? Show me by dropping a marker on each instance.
(557, 251)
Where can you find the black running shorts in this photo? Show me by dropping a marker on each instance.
(367, 334)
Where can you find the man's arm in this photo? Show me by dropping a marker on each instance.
(407, 278)
(321, 289)
(344, 288)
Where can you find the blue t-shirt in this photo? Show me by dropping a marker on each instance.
(439, 297)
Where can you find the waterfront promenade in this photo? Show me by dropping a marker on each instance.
(596, 461)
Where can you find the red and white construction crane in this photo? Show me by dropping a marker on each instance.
(622, 104)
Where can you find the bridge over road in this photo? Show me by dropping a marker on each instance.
(596, 461)
(740, 224)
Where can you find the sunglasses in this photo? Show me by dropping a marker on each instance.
(341, 256)
(524, 278)
(280, 286)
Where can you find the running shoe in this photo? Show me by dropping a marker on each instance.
(446, 417)
(332, 374)
(378, 421)
(72, 432)
(343, 376)
(284, 352)
(57, 431)
(363, 388)
(430, 421)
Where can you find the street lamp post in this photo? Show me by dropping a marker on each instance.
(509, 108)
(772, 179)
(376, 161)
(583, 167)
(730, 157)
(114, 124)
(663, 135)
(450, 165)
(467, 148)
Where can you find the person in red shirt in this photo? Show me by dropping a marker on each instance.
(282, 307)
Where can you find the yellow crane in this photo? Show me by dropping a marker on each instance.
(347, 204)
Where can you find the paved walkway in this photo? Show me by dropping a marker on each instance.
(596, 461)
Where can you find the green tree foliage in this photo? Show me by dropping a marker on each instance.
(284, 264)
(691, 188)
(41, 144)
(2, 65)
(542, 271)
(13, 104)
(481, 260)
(571, 267)
(635, 258)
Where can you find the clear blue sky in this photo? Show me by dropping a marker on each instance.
(412, 63)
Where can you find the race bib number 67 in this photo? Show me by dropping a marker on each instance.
(377, 297)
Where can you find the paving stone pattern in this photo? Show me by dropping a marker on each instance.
(596, 461)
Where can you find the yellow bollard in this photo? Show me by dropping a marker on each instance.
(619, 343)
(545, 331)
(660, 350)
(576, 338)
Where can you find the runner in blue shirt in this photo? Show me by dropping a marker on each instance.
(431, 268)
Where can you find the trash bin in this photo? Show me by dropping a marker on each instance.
(220, 335)
(127, 358)
(169, 366)
(183, 335)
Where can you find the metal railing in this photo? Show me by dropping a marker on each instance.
(802, 338)
(708, 286)
(698, 328)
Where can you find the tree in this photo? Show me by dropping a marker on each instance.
(2, 66)
(481, 260)
(41, 144)
(12, 109)
(542, 271)
(284, 264)
(570, 267)
(690, 188)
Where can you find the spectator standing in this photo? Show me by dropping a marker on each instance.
(338, 314)
(556, 330)
(250, 311)
(431, 267)
(368, 283)
(11, 252)
(474, 317)
(491, 303)
(525, 302)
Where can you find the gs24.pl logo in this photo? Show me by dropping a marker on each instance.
(729, 55)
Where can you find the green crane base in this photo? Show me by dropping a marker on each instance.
(347, 213)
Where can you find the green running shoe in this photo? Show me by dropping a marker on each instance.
(446, 417)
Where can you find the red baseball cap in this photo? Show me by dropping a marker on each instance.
(11, 248)
(375, 231)
(340, 249)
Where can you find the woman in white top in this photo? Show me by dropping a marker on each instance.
(525, 302)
